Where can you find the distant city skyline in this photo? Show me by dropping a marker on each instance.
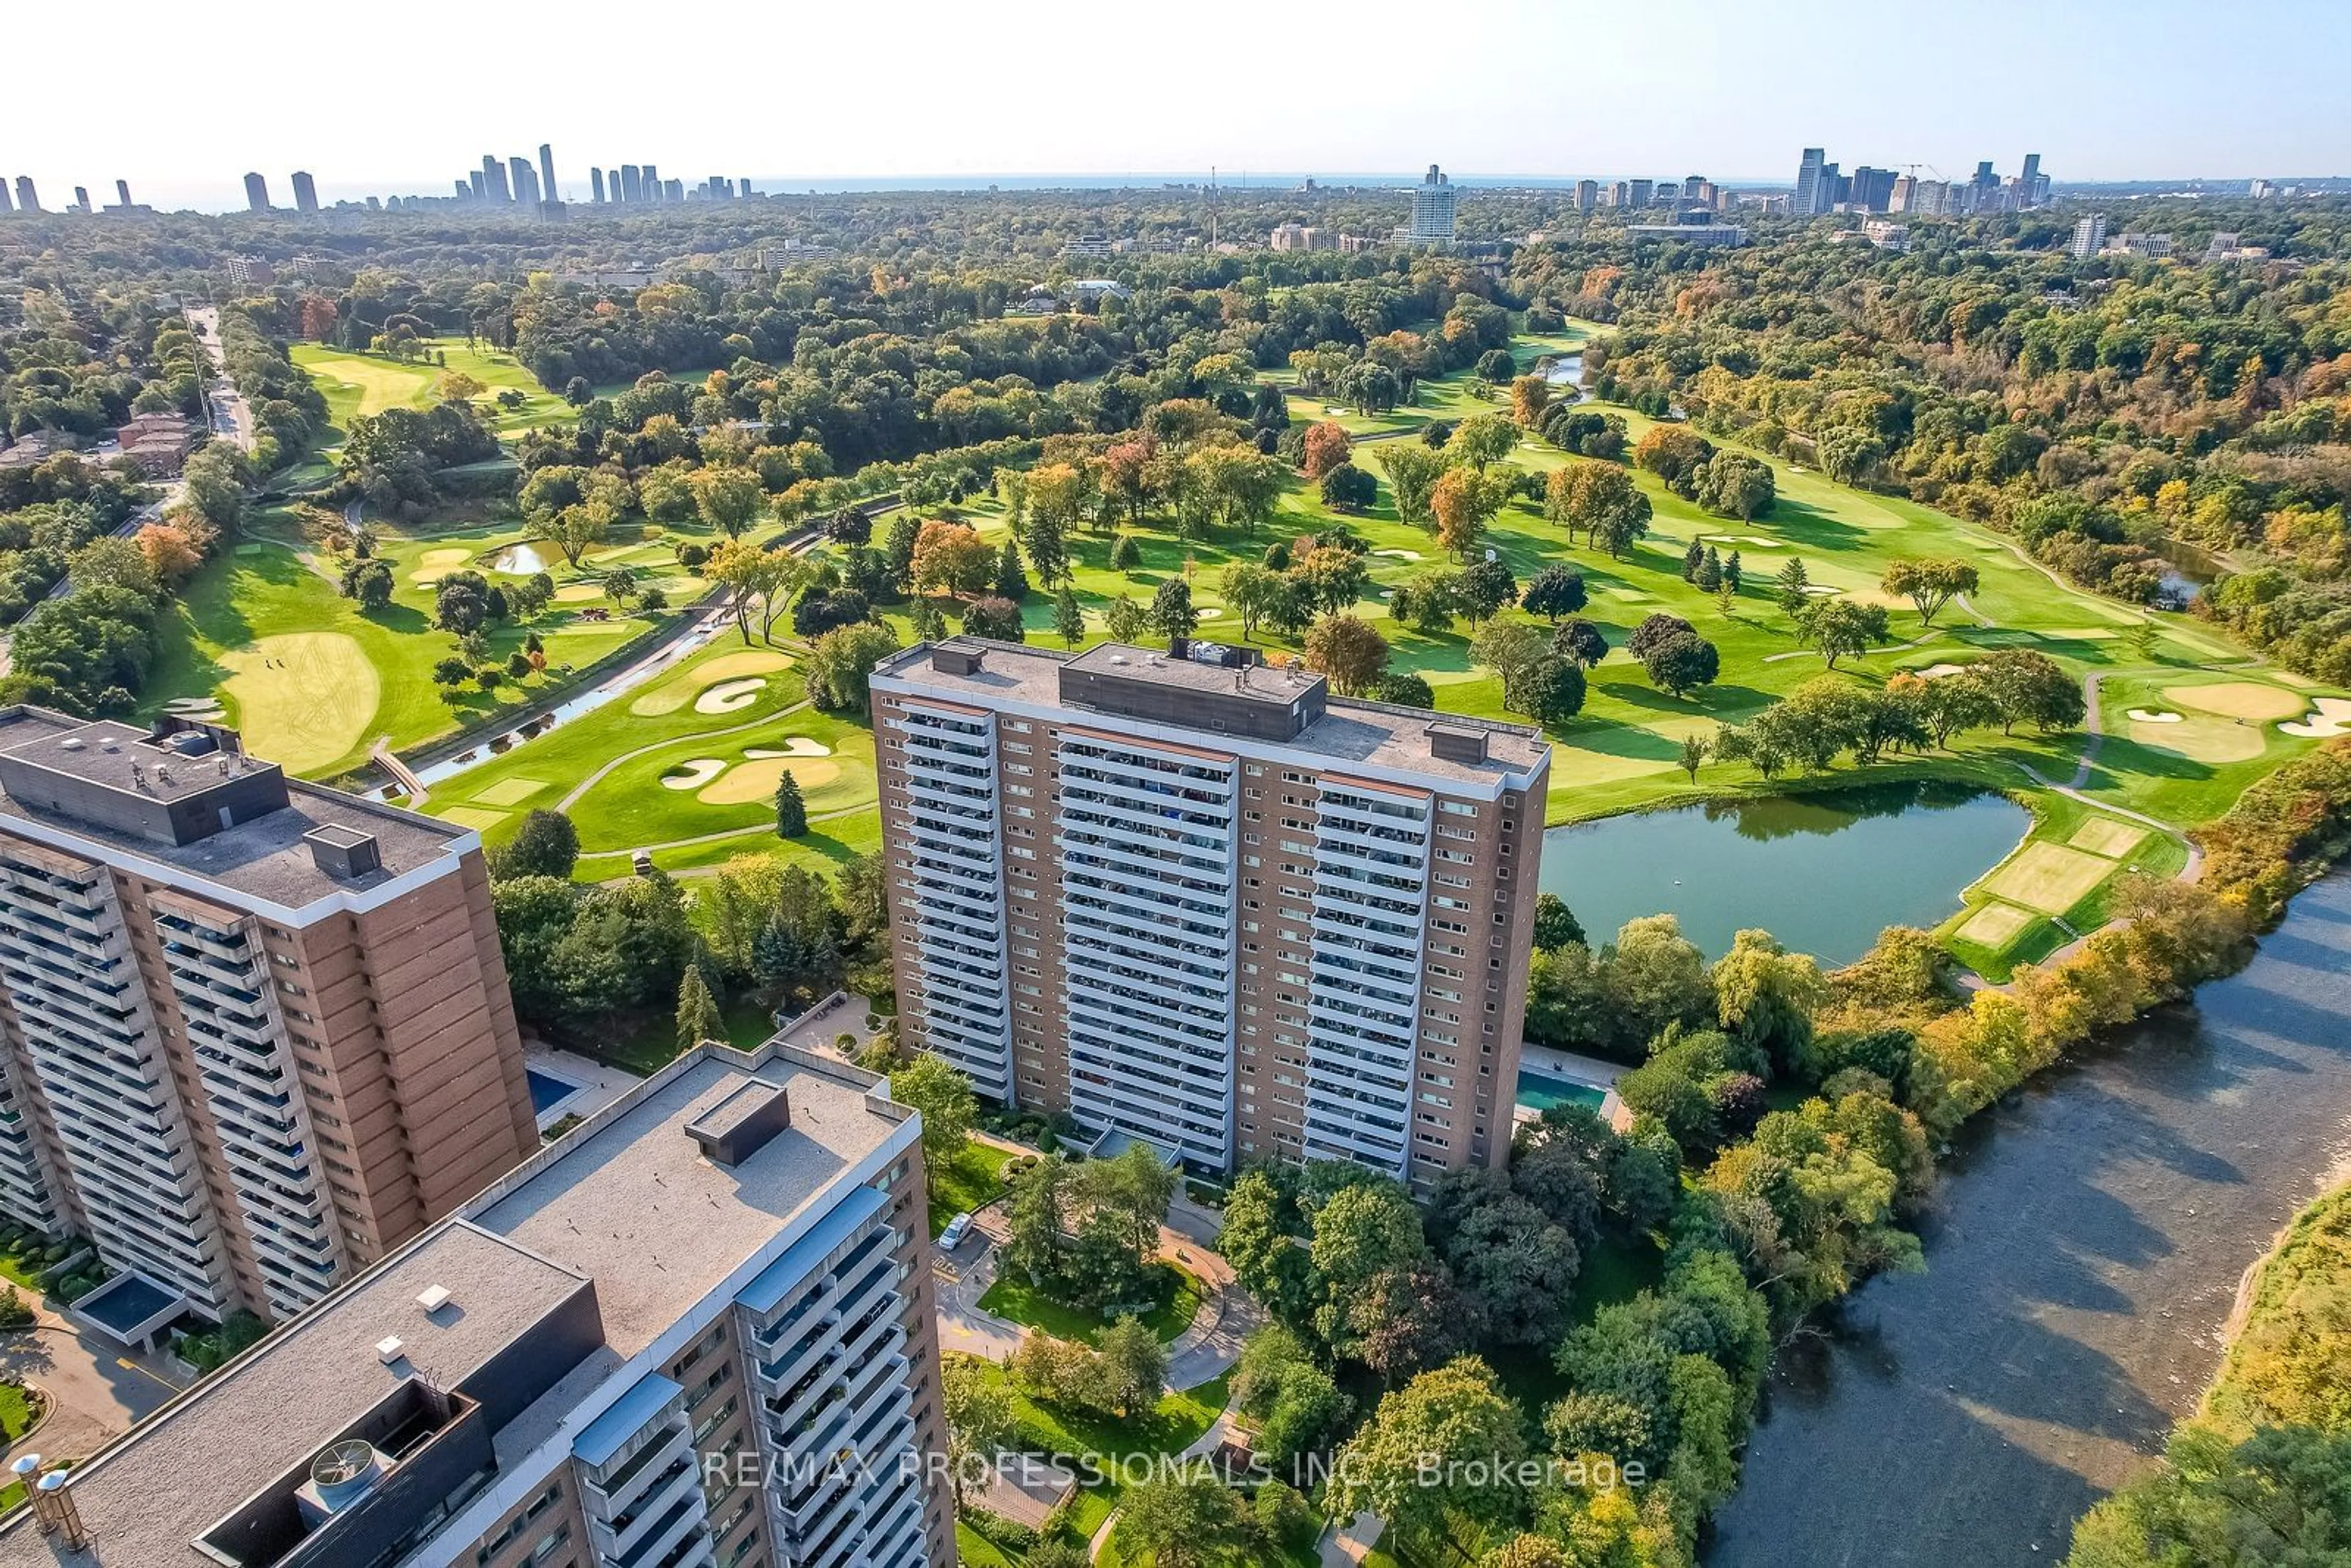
(1574, 93)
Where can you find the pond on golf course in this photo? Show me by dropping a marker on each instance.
(1824, 872)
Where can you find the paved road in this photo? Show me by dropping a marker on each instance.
(232, 418)
(98, 1392)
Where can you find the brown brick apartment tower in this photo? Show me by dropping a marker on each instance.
(1198, 901)
(258, 1032)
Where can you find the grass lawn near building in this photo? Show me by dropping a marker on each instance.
(1013, 1298)
(969, 1182)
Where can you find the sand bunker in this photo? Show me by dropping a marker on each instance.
(693, 773)
(757, 780)
(1937, 672)
(727, 696)
(1399, 554)
(2327, 716)
(1753, 541)
(2239, 699)
(1821, 588)
(2154, 715)
(794, 746)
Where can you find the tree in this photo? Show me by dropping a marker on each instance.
(791, 811)
(1849, 455)
(1506, 647)
(951, 558)
(1184, 1520)
(1011, 580)
(1732, 486)
(546, 845)
(979, 1414)
(1582, 641)
(1483, 439)
(1462, 502)
(1485, 588)
(1681, 662)
(1347, 488)
(1792, 586)
(942, 1096)
(1556, 591)
(1068, 617)
(1603, 500)
(457, 386)
(1404, 689)
(1126, 620)
(369, 581)
(1360, 1233)
(1838, 627)
(1171, 614)
(698, 1018)
(1134, 1363)
(1766, 996)
(747, 573)
(1673, 453)
(1431, 1451)
(729, 499)
(996, 618)
(1346, 652)
(1327, 447)
(839, 665)
(1929, 584)
(1413, 472)
(1548, 688)
(1528, 395)
(1695, 750)
(1555, 925)
(1036, 1215)
(1250, 591)
(2027, 686)
(1126, 554)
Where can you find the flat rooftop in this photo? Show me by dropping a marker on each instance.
(1373, 734)
(148, 1496)
(627, 1202)
(633, 1203)
(262, 858)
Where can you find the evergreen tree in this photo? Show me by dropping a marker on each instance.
(1125, 554)
(1732, 571)
(1792, 582)
(698, 1018)
(1692, 558)
(1069, 616)
(791, 811)
(930, 622)
(1011, 581)
(1709, 576)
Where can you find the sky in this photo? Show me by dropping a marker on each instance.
(376, 99)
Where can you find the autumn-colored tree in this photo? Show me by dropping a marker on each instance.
(457, 386)
(1462, 502)
(1347, 653)
(1126, 475)
(1327, 447)
(952, 558)
(170, 554)
(1530, 395)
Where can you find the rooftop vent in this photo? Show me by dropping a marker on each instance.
(956, 661)
(742, 1124)
(391, 1351)
(70, 743)
(343, 852)
(1457, 743)
(433, 1300)
(345, 1471)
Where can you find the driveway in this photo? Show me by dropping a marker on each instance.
(96, 1390)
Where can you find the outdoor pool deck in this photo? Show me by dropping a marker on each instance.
(1548, 1077)
(563, 1084)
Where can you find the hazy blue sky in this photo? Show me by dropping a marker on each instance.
(2101, 88)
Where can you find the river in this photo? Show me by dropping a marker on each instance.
(2083, 1253)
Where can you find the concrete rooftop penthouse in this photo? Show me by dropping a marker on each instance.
(623, 1223)
(1360, 735)
(72, 785)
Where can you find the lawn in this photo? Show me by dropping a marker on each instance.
(1014, 1298)
(965, 1184)
(355, 383)
(692, 760)
(312, 679)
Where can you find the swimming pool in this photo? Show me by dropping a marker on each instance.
(548, 1091)
(1541, 1091)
